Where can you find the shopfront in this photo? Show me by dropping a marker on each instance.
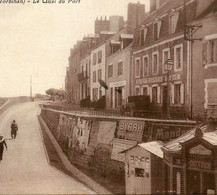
(190, 163)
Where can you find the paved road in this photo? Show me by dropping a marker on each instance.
(24, 168)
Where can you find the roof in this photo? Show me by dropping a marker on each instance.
(202, 131)
(153, 147)
(107, 32)
(115, 42)
(126, 36)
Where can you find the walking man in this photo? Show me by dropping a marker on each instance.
(14, 129)
(2, 145)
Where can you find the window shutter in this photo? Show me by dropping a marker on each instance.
(204, 52)
(176, 19)
(182, 94)
(158, 94)
(172, 95)
(159, 27)
(145, 34)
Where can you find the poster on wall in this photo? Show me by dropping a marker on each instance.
(120, 145)
(81, 134)
(131, 130)
(106, 132)
(60, 125)
(93, 134)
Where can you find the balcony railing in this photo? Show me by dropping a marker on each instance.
(82, 76)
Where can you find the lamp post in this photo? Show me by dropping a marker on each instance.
(168, 65)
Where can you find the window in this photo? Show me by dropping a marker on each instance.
(111, 97)
(145, 90)
(94, 59)
(155, 63)
(99, 57)
(177, 93)
(178, 57)
(213, 51)
(95, 94)
(94, 76)
(110, 71)
(210, 92)
(99, 74)
(154, 94)
(139, 172)
(137, 91)
(165, 57)
(172, 26)
(120, 68)
(145, 66)
(137, 68)
(155, 29)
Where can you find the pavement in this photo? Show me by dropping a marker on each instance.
(25, 168)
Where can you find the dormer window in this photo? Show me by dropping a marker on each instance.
(156, 29)
(143, 33)
(173, 20)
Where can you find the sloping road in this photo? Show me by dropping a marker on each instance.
(24, 168)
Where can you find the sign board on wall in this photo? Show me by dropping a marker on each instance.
(164, 132)
(160, 79)
(131, 130)
(120, 145)
(106, 132)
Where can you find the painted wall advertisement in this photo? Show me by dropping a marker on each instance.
(120, 145)
(164, 132)
(131, 130)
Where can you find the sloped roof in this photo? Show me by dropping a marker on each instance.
(207, 135)
(153, 147)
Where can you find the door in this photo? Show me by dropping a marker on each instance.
(193, 182)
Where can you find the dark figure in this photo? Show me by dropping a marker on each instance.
(2, 144)
(14, 129)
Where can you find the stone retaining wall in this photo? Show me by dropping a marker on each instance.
(95, 142)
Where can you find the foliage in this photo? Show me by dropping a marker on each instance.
(56, 92)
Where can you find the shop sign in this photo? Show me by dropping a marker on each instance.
(199, 164)
(120, 145)
(160, 79)
(132, 130)
(106, 132)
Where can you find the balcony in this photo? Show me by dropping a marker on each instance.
(82, 76)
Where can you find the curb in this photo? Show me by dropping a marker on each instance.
(87, 180)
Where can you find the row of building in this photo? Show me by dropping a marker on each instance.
(125, 59)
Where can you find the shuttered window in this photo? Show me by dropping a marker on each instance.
(212, 93)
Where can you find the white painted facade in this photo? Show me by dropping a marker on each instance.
(95, 84)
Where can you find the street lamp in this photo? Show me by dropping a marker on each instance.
(168, 65)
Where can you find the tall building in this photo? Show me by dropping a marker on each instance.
(101, 25)
(136, 14)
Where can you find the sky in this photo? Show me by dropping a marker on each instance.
(35, 40)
